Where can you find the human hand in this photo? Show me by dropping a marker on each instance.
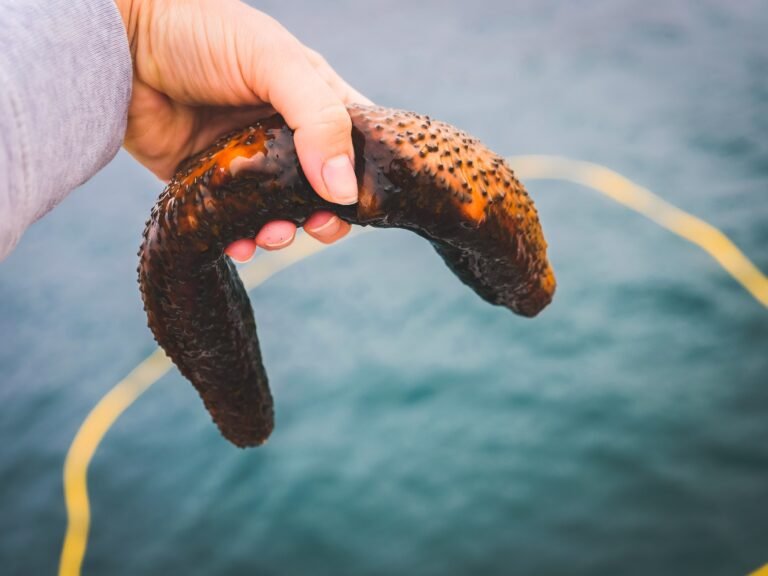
(205, 67)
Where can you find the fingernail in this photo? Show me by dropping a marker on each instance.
(339, 178)
(332, 221)
(279, 242)
(235, 259)
(237, 248)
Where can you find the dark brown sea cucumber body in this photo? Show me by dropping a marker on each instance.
(413, 173)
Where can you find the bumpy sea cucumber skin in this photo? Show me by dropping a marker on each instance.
(413, 173)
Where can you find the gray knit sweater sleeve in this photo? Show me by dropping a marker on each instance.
(65, 83)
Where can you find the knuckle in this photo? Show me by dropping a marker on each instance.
(334, 123)
(334, 115)
(315, 58)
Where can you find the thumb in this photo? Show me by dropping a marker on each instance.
(319, 118)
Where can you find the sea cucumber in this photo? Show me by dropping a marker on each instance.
(413, 172)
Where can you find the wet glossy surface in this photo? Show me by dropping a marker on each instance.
(623, 431)
(413, 173)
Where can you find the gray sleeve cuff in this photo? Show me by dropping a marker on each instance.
(65, 84)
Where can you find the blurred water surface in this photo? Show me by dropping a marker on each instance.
(420, 430)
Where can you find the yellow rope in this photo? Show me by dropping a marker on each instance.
(118, 399)
(149, 371)
(761, 571)
(91, 432)
(642, 200)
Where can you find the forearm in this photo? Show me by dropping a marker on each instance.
(65, 84)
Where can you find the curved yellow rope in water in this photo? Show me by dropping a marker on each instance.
(642, 200)
(91, 432)
(761, 571)
(125, 393)
(606, 181)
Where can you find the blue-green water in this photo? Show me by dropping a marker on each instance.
(420, 430)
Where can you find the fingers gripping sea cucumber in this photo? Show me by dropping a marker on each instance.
(413, 173)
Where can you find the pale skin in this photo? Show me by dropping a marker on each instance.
(205, 67)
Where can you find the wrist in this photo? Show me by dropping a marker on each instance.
(129, 12)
